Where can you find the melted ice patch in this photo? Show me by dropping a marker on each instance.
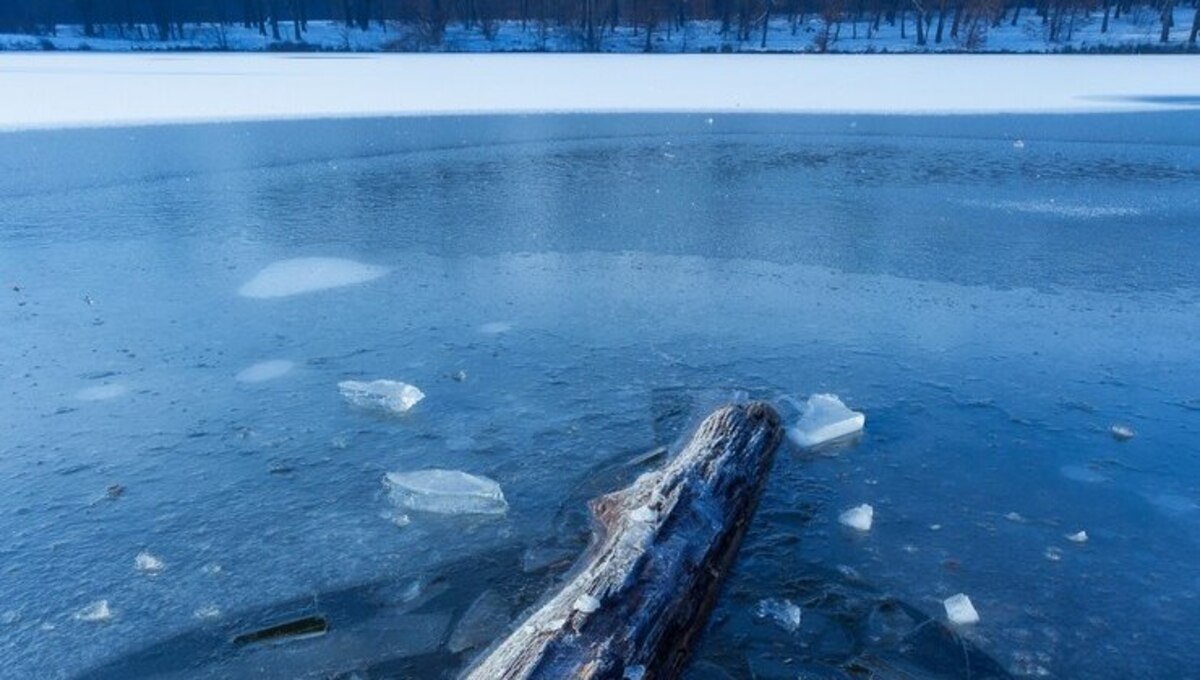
(1053, 207)
(101, 392)
(306, 275)
(265, 370)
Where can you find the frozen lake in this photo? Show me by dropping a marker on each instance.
(569, 292)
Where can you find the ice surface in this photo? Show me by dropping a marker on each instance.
(265, 370)
(785, 613)
(485, 619)
(148, 563)
(824, 418)
(306, 275)
(448, 492)
(101, 392)
(385, 395)
(208, 611)
(644, 514)
(1078, 537)
(95, 612)
(959, 610)
(859, 518)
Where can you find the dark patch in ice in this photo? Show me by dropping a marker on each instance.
(296, 629)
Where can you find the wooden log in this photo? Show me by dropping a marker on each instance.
(638, 597)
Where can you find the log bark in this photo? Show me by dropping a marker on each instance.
(640, 595)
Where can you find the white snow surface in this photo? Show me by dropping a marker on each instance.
(88, 90)
(306, 275)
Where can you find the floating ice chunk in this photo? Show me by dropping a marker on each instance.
(1015, 517)
(306, 275)
(1078, 537)
(265, 370)
(1122, 433)
(448, 492)
(396, 517)
(1018, 144)
(101, 392)
(783, 612)
(824, 419)
(959, 610)
(485, 619)
(586, 603)
(386, 395)
(859, 517)
(635, 672)
(95, 612)
(495, 327)
(1053, 554)
(148, 563)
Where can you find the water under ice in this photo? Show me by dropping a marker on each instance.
(447, 492)
(307, 275)
(824, 418)
(959, 610)
(384, 395)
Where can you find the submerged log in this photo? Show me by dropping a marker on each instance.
(661, 547)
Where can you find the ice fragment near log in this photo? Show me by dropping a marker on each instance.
(858, 518)
(383, 395)
(447, 492)
(785, 613)
(824, 418)
(307, 275)
(959, 610)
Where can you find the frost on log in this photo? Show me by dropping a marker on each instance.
(660, 549)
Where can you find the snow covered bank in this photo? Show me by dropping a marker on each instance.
(77, 90)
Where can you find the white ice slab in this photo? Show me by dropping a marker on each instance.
(307, 275)
(448, 492)
(858, 518)
(95, 612)
(960, 611)
(823, 419)
(148, 563)
(265, 370)
(383, 395)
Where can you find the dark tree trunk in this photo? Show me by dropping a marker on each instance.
(1104, 23)
(1168, 20)
(1195, 26)
(941, 22)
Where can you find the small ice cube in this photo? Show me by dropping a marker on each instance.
(635, 672)
(859, 517)
(644, 513)
(95, 612)
(148, 563)
(1019, 144)
(1053, 554)
(448, 492)
(783, 612)
(1014, 517)
(306, 275)
(386, 395)
(586, 603)
(210, 611)
(264, 371)
(824, 419)
(1122, 433)
(1078, 537)
(959, 610)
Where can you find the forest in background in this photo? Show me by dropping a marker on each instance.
(591, 22)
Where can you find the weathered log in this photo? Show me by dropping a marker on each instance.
(660, 549)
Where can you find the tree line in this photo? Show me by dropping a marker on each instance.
(927, 22)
